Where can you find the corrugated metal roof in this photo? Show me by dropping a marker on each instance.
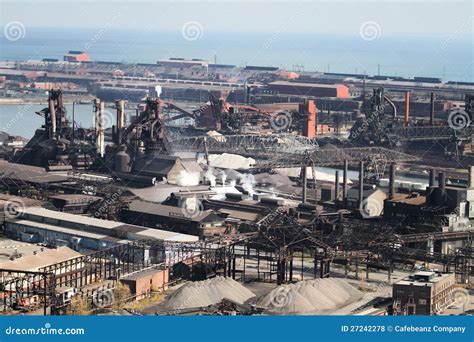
(31, 174)
(131, 232)
(42, 259)
(240, 214)
(167, 210)
(159, 165)
(301, 84)
(56, 215)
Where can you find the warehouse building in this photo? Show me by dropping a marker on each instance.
(35, 262)
(38, 225)
(309, 89)
(183, 63)
(77, 56)
(197, 222)
(173, 169)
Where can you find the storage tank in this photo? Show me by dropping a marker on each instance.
(273, 201)
(122, 160)
(234, 196)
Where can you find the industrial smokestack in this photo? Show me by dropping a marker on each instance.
(344, 183)
(407, 108)
(120, 121)
(120, 105)
(308, 109)
(361, 182)
(96, 115)
(336, 187)
(52, 115)
(432, 109)
(100, 140)
(391, 182)
(442, 183)
(432, 177)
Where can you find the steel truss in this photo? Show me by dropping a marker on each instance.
(246, 144)
(18, 287)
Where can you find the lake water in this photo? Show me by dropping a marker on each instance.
(408, 56)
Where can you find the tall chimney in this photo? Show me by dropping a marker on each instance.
(442, 183)
(391, 182)
(52, 115)
(101, 131)
(336, 186)
(407, 108)
(96, 115)
(361, 182)
(344, 183)
(432, 177)
(120, 105)
(308, 108)
(432, 109)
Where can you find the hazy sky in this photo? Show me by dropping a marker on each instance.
(346, 17)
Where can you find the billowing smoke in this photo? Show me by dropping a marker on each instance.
(248, 182)
(188, 178)
(223, 177)
(158, 90)
(209, 175)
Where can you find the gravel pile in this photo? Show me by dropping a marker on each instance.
(230, 161)
(310, 295)
(207, 292)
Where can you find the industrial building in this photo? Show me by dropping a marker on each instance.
(186, 174)
(309, 89)
(39, 225)
(175, 62)
(142, 283)
(34, 262)
(193, 221)
(423, 293)
(77, 56)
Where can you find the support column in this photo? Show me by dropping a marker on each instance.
(290, 275)
(344, 184)
(432, 109)
(304, 173)
(407, 108)
(361, 183)
(432, 177)
(391, 190)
